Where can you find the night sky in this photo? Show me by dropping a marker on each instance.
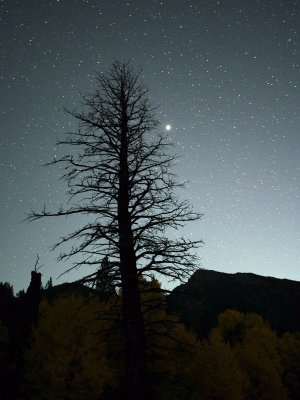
(226, 76)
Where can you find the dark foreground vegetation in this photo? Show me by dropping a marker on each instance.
(66, 341)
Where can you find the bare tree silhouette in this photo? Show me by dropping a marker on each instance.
(120, 176)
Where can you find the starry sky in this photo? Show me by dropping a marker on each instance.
(226, 76)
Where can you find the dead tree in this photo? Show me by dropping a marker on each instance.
(120, 178)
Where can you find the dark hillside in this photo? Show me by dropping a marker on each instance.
(209, 293)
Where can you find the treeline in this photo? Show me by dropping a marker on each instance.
(75, 350)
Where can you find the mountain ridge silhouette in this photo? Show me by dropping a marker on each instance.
(208, 293)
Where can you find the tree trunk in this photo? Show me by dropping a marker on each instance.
(33, 297)
(136, 373)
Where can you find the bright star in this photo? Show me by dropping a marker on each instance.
(168, 127)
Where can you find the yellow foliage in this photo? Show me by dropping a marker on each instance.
(171, 348)
(289, 350)
(71, 356)
(255, 347)
(219, 372)
(67, 358)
